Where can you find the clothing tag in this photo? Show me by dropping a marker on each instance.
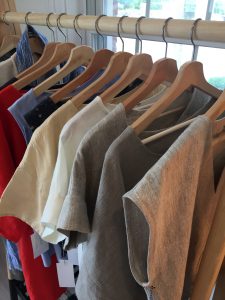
(39, 246)
(65, 274)
(73, 256)
(80, 254)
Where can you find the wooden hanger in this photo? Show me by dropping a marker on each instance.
(139, 66)
(116, 67)
(213, 113)
(9, 43)
(217, 109)
(99, 61)
(79, 56)
(190, 75)
(60, 55)
(45, 57)
(162, 70)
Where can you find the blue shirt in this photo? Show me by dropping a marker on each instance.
(24, 55)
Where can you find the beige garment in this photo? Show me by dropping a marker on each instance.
(27, 191)
(8, 69)
(159, 212)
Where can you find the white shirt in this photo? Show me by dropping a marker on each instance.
(70, 138)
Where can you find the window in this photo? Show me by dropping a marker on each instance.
(212, 58)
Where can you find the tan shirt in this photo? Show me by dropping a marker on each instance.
(159, 212)
(27, 191)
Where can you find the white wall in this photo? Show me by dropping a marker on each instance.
(56, 6)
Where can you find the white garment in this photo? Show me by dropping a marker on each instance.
(70, 138)
(8, 69)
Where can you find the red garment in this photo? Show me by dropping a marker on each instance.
(41, 282)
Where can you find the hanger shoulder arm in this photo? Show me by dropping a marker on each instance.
(44, 59)
(116, 67)
(162, 70)
(139, 66)
(78, 56)
(61, 54)
(190, 75)
(99, 61)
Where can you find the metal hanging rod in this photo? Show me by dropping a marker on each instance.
(208, 33)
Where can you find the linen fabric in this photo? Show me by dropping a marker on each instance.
(108, 234)
(77, 210)
(160, 209)
(35, 171)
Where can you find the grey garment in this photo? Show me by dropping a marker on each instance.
(79, 205)
(160, 210)
(108, 276)
(194, 103)
(199, 103)
(105, 273)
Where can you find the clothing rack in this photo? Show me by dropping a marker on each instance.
(207, 33)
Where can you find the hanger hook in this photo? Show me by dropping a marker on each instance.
(4, 16)
(59, 25)
(137, 31)
(193, 31)
(119, 27)
(164, 33)
(97, 29)
(26, 17)
(48, 24)
(75, 27)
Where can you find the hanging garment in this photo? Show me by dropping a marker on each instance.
(206, 202)
(35, 171)
(71, 217)
(126, 161)
(41, 283)
(161, 208)
(78, 207)
(18, 109)
(69, 140)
